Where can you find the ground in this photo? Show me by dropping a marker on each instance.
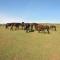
(19, 45)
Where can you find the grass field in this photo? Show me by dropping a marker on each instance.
(19, 45)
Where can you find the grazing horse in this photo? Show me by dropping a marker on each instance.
(17, 25)
(27, 27)
(35, 25)
(40, 27)
(53, 27)
(32, 27)
(11, 25)
(7, 25)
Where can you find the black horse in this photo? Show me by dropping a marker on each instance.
(11, 25)
(28, 27)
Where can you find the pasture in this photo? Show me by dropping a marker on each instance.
(19, 45)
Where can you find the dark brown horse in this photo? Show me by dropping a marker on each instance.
(28, 27)
(11, 25)
(35, 26)
(40, 27)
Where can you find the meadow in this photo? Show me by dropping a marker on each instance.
(19, 45)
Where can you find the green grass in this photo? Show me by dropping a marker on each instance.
(19, 45)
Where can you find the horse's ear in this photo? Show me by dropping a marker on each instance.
(22, 22)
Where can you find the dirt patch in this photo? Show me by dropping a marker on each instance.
(54, 56)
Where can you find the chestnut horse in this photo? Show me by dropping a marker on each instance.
(40, 27)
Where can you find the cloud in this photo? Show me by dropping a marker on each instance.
(8, 19)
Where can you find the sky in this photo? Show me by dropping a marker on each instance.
(40, 11)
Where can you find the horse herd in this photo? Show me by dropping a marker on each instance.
(30, 27)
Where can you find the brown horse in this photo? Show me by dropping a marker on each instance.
(40, 27)
(35, 26)
(53, 27)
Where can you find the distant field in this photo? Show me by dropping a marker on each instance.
(19, 45)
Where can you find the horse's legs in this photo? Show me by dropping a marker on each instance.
(55, 28)
(11, 28)
(22, 27)
(6, 26)
(38, 30)
(48, 30)
(26, 29)
(16, 28)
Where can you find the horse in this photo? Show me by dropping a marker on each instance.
(7, 25)
(27, 27)
(35, 26)
(40, 27)
(17, 26)
(53, 27)
(11, 25)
